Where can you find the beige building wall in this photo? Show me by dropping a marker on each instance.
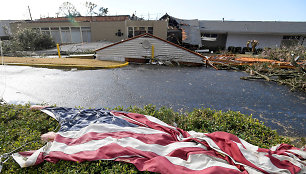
(106, 31)
(112, 31)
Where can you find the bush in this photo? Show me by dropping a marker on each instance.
(28, 40)
(19, 125)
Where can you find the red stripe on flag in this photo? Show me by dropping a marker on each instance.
(161, 139)
(40, 158)
(225, 142)
(109, 151)
(161, 164)
(144, 120)
(284, 164)
(27, 153)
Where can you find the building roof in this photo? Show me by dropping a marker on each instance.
(168, 42)
(150, 35)
(83, 19)
(255, 27)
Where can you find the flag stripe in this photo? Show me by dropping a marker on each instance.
(106, 128)
(160, 139)
(249, 156)
(125, 142)
(160, 165)
(231, 148)
(113, 151)
(143, 119)
(283, 165)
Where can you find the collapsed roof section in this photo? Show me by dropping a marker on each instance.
(186, 31)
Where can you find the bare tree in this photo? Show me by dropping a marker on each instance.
(67, 9)
(90, 8)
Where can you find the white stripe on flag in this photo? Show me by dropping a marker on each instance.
(124, 142)
(200, 162)
(155, 120)
(108, 128)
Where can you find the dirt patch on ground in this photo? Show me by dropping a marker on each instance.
(61, 61)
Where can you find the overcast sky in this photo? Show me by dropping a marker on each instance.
(256, 10)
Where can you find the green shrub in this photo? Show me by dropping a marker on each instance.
(28, 40)
(19, 125)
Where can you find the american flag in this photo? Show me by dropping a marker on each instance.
(152, 145)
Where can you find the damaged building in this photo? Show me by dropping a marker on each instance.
(194, 34)
(183, 32)
(220, 35)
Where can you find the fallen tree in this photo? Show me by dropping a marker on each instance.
(295, 78)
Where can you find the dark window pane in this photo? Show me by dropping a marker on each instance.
(150, 30)
(64, 28)
(54, 28)
(130, 32)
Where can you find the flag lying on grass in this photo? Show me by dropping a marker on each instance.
(152, 145)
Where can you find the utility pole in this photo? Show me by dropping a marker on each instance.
(30, 12)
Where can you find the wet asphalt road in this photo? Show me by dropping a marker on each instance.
(176, 87)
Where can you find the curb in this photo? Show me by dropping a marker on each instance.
(85, 67)
(118, 66)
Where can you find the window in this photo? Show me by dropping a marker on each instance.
(130, 32)
(54, 28)
(45, 31)
(150, 30)
(65, 28)
(209, 37)
(86, 34)
(66, 35)
(135, 31)
(142, 30)
(55, 33)
(76, 35)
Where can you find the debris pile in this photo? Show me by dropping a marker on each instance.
(291, 73)
(295, 78)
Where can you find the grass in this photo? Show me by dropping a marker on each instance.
(19, 125)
